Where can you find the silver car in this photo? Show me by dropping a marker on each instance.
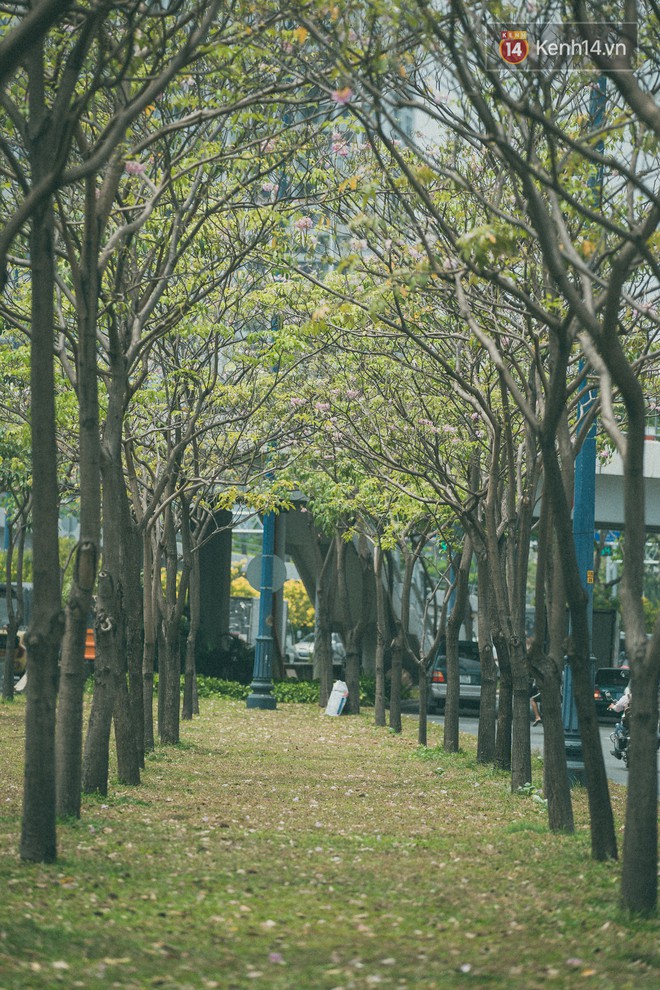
(469, 679)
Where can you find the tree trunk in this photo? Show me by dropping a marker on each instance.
(381, 638)
(353, 624)
(505, 705)
(131, 546)
(549, 663)
(69, 736)
(191, 642)
(97, 741)
(149, 646)
(69, 731)
(171, 662)
(38, 830)
(422, 732)
(395, 683)
(322, 658)
(487, 709)
(454, 623)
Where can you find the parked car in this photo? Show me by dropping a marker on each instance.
(469, 678)
(609, 685)
(304, 649)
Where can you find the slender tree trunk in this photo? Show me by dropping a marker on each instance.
(97, 740)
(189, 707)
(149, 647)
(69, 736)
(131, 547)
(38, 830)
(381, 637)
(487, 709)
(639, 881)
(422, 732)
(323, 632)
(69, 731)
(547, 666)
(454, 623)
(169, 733)
(395, 683)
(505, 703)
(353, 620)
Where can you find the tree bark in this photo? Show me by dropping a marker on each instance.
(487, 709)
(69, 735)
(454, 622)
(395, 683)
(381, 637)
(38, 829)
(149, 646)
(323, 632)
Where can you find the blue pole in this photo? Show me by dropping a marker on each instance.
(584, 507)
(261, 695)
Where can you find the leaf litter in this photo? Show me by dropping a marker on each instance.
(287, 851)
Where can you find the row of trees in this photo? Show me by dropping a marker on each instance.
(439, 299)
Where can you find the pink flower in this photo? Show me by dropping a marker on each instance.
(352, 393)
(322, 406)
(296, 401)
(135, 168)
(303, 223)
(342, 96)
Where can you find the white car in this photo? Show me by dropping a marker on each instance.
(303, 650)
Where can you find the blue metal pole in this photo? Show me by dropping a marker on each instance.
(261, 695)
(584, 504)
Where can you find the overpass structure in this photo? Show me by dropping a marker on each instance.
(609, 490)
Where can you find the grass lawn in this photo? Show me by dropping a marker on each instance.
(291, 850)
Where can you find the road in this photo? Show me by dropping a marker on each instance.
(616, 771)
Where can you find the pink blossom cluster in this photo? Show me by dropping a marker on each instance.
(340, 145)
(135, 168)
(322, 406)
(303, 223)
(342, 96)
(296, 401)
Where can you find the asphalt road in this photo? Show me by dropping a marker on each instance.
(616, 771)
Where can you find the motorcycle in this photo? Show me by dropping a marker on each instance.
(620, 737)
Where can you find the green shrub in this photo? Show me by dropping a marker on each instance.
(207, 686)
(300, 692)
(368, 690)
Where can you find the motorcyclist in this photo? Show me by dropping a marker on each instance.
(623, 704)
(621, 734)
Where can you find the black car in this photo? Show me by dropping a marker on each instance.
(469, 678)
(609, 685)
